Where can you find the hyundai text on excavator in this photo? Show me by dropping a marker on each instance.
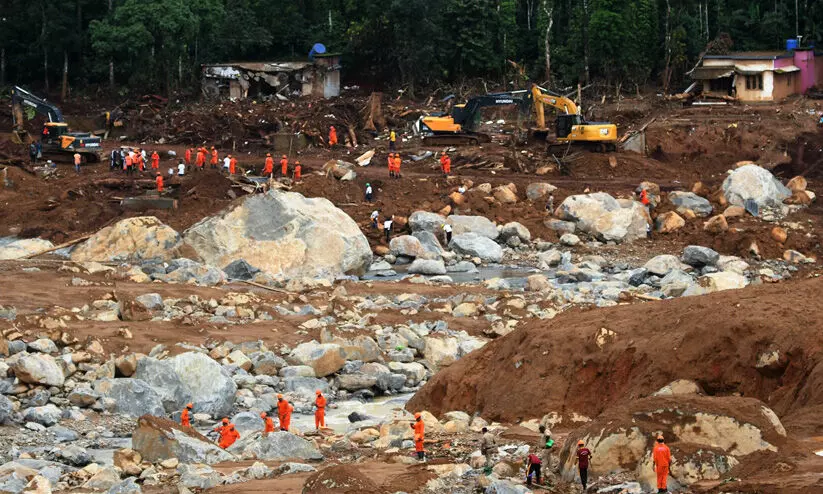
(459, 126)
(570, 127)
(57, 142)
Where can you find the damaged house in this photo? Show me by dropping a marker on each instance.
(284, 80)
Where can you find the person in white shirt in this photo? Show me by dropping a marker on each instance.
(387, 227)
(374, 216)
(226, 164)
(447, 228)
(171, 171)
(181, 169)
(369, 193)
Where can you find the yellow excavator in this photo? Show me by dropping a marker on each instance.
(570, 127)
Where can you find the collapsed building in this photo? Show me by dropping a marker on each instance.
(319, 77)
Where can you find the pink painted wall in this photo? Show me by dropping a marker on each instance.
(804, 60)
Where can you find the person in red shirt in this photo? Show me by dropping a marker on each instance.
(284, 166)
(232, 165)
(159, 182)
(268, 168)
(419, 435)
(533, 465)
(332, 136)
(185, 417)
(268, 424)
(155, 160)
(213, 158)
(320, 413)
(583, 457)
(188, 157)
(445, 163)
(661, 460)
(298, 171)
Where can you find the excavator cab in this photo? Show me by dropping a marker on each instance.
(565, 123)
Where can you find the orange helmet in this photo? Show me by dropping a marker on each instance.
(268, 154)
(297, 162)
(580, 443)
(279, 397)
(284, 156)
(332, 126)
(417, 415)
(660, 437)
(189, 405)
(225, 420)
(318, 393)
(262, 415)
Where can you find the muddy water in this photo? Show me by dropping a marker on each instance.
(338, 413)
(515, 275)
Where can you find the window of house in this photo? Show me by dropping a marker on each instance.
(754, 81)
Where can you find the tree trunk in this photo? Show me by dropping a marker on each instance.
(586, 39)
(547, 46)
(667, 71)
(2, 66)
(111, 59)
(43, 41)
(180, 70)
(64, 91)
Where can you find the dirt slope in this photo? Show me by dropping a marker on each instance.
(714, 340)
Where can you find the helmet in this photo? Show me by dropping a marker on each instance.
(580, 443)
(284, 156)
(225, 420)
(297, 162)
(268, 154)
(660, 437)
(318, 393)
(158, 174)
(332, 126)
(279, 397)
(417, 415)
(262, 415)
(368, 185)
(189, 405)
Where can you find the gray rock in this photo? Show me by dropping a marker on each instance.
(325, 359)
(63, 434)
(43, 345)
(425, 221)
(24, 247)
(266, 363)
(246, 422)
(277, 446)
(305, 386)
(127, 486)
(689, 200)
(37, 369)
(429, 241)
(506, 487)
(6, 409)
(130, 240)
(462, 267)
(47, 415)
(675, 283)
(160, 375)
(606, 218)
(756, 184)
(569, 239)
(199, 476)
(560, 226)
(356, 381)
(515, 229)
(291, 467)
(131, 396)
(475, 245)
(538, 190)
(283, 233)
(240, 270)
(429, 267)
(72, 455)
(406, 245)
(157, 440)
(297, 371)
(662, 264)
(206, 381)
(198, 274)
(150, 301)
(479, 225)
(698, 256)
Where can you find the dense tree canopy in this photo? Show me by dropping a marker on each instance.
(159, 45)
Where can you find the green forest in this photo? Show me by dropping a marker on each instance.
(125, 46)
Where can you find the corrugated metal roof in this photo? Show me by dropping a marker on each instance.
(752, 55)
(787, 69)
(708, 73)
(263, 66)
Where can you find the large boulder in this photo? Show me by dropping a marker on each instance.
(429, 241)
(47, 415)
(406, 245)
(475, 245)
(160, 375)
(283, 233)
(37, 368)
(423, 221)
(131, 240)
(538, 190)
(515, 229)
(277, 446)
(426, 266)
(211, 388)
(158, 439)
(707, 435)
(716, 282)
(131, 396)
(22, 248)
(699, 256)
(605, 218)
(441, 352)
(662, 264)
(753, 183)
(479, 225)
(325, 359)
(700, 206)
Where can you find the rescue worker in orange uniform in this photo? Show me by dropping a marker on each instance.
(155, 160)
(445, 163)
(232, 165)
(419, 434)
(159, 182)
(138, 158)
(201, 158)
(213, 158)
(268, 424)
(332, 136)
(188, 157)
(185, 417)
(228, 436)
(283, 413)
(661, 459)
(223, 425)
(298, 171)
(391, 165)
(397, 166)
(128, 164)
(284, 166)
(320, 413)
(268, 168)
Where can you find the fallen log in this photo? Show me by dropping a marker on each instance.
(58, 247)
(264, 287)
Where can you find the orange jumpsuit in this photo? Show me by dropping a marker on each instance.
(269, 425)
(188, 156)
(644, 197)
(128, 163)
(214, 158)
(397, 165)
(228, 436)
(139, 158)
(662, 458)
(284, 166)
(269, 168)
(159, 182)
(233, 166)
(282, 413)
(201, 157)
(320, 413)
(298, 172)
(419, 433)
(155, 160)
(185, 420)
(446, 164)
(332, 136)
(391, 164)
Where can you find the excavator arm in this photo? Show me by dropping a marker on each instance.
(459, 125)
(542, 98)
(20, 97)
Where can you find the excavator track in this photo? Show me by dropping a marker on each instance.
(472, 139)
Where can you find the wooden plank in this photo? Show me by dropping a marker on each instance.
(264, 287)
